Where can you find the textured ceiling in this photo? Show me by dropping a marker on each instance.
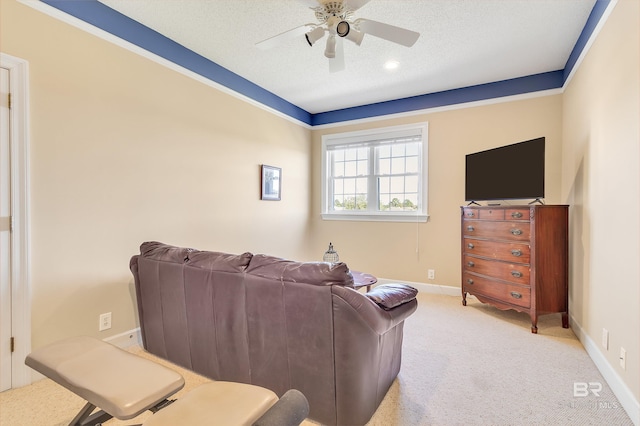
(463, 43)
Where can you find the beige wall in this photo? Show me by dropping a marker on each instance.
(124, 150)
(601, 180)
(405, 251)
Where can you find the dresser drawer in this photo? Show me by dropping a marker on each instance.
(502, 270)
(516, 231)
(504, 292)
(491, 214)
(470, 213)
(508, 252)
(517, 214)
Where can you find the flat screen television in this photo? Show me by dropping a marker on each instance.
(509, 172)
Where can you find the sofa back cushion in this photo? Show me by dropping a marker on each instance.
(315, 273)
(222, 262)
(164, 252)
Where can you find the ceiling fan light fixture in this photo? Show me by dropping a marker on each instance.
(355, 36)
(342, 29)
(314, 35)
(330, 51)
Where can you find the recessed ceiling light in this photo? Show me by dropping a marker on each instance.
(391, 65)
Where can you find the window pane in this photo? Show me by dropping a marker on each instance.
(411, 184)
(413, 149)
(384, 167)
(397, 150)
(338, 169)
(350, 154)
(397, 184)
(338, 186)
(363, 167)
(349, 186)
(384, 202)
(338, 155)
(383, 185)
(350, 168)
(361, 185)
(412, 165)
(411, 202)
(384, 151)
(397, 165)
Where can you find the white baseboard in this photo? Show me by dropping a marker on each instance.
(127, 339)
(446, 290)
(615, 382)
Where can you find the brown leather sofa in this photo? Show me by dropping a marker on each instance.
(274, 323)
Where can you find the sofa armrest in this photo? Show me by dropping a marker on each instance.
(290, 410)
(379, 320)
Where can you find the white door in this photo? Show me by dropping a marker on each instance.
(5, 234)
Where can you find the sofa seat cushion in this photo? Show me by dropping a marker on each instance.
(388, 296)
(316, 273)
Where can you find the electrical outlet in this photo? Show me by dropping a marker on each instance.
(105, 322)
(605, 338)
(431, 274)
(623, 358)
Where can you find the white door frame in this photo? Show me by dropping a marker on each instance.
(20, 242)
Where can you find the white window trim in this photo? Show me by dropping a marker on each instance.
(337, 138)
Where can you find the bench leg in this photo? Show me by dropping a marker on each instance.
(85, 418)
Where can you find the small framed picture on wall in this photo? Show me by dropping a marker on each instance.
(270, 183)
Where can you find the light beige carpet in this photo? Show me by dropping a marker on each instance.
(472, 365)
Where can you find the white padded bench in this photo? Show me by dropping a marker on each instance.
(121, 384)
(124, 385)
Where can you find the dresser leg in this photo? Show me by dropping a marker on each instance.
(464, 298)
(565, 320)
(534, 322)
(534, 329)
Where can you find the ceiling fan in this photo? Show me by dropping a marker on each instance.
(336, 18)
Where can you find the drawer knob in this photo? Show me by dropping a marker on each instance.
(516, 215)
(470, 246)
(516, 295)
(470, 228)
(471, 264)
(469, 281)
(516, 252)
(516, 231)
(470, 214)
(516, 274)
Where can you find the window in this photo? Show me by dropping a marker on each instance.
(379, 174)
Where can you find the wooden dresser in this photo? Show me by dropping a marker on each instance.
(516, 257)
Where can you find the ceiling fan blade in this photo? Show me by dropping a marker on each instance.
(336, 63)
(388, 32)
(281, 38)
(356, 4)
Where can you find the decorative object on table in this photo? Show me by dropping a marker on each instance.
(331, 255)
(270, 183)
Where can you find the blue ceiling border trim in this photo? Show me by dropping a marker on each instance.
(498, 89)
(112, 21)
(592, 22)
